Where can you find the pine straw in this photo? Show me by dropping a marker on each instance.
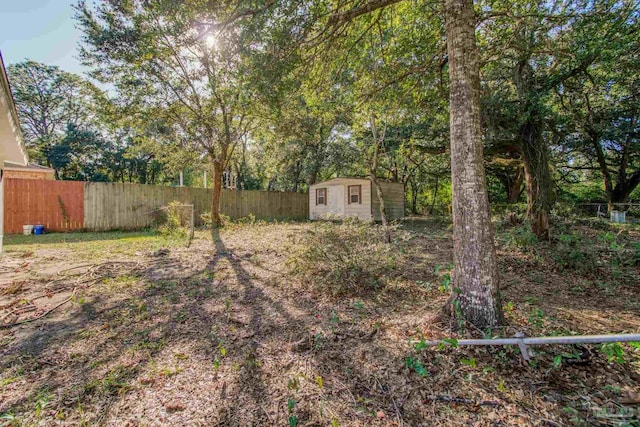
(217, 334)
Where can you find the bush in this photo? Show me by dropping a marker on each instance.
(208, 222)
(572, 253)
(174, 219)
(346, 257)
(521, 237)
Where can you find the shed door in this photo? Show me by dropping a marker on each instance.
(335, 199)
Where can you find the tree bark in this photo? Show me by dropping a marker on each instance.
(414, 196)
(625, 183)
(216, 192)
(373, 168)
(623, 189)
(435, 196)
(540, 195)
(604, 168)
(512, 179)
(535, 152)
(475, 292)
(383, 210)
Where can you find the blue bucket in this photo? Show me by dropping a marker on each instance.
(38, 229)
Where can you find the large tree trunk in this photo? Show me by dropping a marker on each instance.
(216, 191)
(623, 189)
(626, 184)
(620, 192)
(383, 210)
(535, 152)
(414, 196)
(512, 179)
(515, 188)
(475, 290)
(540, 195)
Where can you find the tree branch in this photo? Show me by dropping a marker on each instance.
(341, 18)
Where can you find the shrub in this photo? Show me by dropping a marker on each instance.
(207, 221)
(346, 257)
(521, 237)
(174, 219)
(570, 252)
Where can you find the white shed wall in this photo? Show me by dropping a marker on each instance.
(361, 210)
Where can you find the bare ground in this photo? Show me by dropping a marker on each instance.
(219, 334)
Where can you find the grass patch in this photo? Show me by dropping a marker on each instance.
(93, 246)
(116, 382)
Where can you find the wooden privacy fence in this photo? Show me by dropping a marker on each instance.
(58, 205)
(96, 206)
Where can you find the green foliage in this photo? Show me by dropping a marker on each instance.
(345, 258)
(614, 352)
(446, 342)
(559, 359)
(471, 362)
(293, 419)
(444, 278)
(570, 252)
(192, 80)
(584, 192)
(536, 317)
(636, 253)
(420, 345)
(521, 237)
(415, 365)
(49, 102)
(174, 220)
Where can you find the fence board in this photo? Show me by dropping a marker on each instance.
(58, 205)
(129, 206)
(72, 205)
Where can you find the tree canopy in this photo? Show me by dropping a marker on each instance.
(465, 103)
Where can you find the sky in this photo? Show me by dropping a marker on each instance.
(41, 30)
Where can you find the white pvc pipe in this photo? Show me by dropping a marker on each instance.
(571, 339)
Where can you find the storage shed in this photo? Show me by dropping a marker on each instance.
(355, 197)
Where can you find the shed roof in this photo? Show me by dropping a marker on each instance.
(340, 178)
(359, 178)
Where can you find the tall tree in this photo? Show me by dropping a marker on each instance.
(49, 100)
(531, 50)
(475, 293)
(602, 105)
(475, 265)
(181, 57)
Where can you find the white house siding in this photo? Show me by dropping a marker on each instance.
(11, 145)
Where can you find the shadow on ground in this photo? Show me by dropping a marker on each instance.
(216, 334)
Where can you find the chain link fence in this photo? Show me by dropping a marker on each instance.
(620, 212)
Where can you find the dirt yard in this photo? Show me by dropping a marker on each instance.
(151, 332)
